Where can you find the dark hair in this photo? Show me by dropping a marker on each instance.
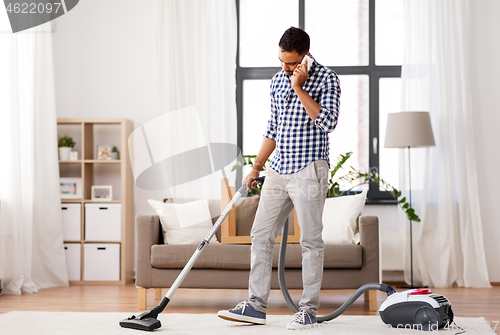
(295, 39)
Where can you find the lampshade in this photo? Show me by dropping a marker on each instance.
(409, 129)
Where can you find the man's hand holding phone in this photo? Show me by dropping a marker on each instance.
(301, 72)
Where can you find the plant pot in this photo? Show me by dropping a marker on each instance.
(115, 155)
(64, 153)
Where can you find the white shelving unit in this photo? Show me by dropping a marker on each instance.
(109, 261)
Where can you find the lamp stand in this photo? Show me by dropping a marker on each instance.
(411, 229)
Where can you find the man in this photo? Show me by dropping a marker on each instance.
(304, 109)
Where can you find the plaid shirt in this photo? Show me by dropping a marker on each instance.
(299, 139)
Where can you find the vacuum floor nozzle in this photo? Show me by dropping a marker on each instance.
(147, 320)
(148, 324)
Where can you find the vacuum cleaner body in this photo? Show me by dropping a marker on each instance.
(416, 309)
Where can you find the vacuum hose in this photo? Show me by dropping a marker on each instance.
(281, 278)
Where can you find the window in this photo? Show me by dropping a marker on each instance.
(361, 40)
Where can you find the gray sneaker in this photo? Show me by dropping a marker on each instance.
(302, 320)
(243, 312)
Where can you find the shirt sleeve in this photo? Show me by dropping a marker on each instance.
(272, 123)
(330, 103)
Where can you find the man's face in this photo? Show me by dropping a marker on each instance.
(289, 61)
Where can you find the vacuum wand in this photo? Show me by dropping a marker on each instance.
(149, 319)
(241, 192)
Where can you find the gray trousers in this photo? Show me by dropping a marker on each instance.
(306, 191)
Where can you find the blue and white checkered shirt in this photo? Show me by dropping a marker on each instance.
(299, 139)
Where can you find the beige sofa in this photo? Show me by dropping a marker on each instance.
(226, 266)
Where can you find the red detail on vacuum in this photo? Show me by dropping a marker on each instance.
(421, 291)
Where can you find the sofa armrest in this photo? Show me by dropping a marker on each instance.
(147, 233)
(369, 240)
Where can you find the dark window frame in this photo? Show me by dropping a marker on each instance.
(373, 71)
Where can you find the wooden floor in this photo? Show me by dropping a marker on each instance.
(465, 302)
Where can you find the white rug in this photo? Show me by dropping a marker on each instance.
(69, 323)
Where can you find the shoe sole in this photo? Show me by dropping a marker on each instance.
(240, 318)
(301, 327)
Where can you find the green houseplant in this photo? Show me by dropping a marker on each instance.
(65, 145)
(342, 180)
(115, 154)
(338, 184)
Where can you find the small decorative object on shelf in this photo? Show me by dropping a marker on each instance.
(115, 154)
(102, 192)
(65, 145)
(104, 152)
(71, 188)
(73, 156)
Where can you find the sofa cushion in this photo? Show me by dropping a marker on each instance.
(218, 233)
(214, 256)
(184, 223)
(245, 214)
(337, 256)
(340, 224)
(213, 205)
(237, 257)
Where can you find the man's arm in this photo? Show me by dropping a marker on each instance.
(325, 113)
(311, 106)
(266, 149)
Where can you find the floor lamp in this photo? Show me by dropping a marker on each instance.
(409, 130)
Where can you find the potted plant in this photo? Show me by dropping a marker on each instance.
(65, 144)
(115, 154)
(338, 186)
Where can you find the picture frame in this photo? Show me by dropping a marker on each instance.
(102, 192)
(70, 188)
(104, 152)
(73, 156)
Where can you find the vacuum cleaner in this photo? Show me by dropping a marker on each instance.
(413, 309)
(417, 309)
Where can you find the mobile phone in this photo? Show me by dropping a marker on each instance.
(307, 60)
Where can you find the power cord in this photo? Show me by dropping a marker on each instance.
(462, 330)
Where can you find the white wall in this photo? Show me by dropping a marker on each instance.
(105, 62)
(486, 103)
(105, 66)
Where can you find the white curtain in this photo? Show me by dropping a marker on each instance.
(31, 240)
(196, 51)
(448, 242)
